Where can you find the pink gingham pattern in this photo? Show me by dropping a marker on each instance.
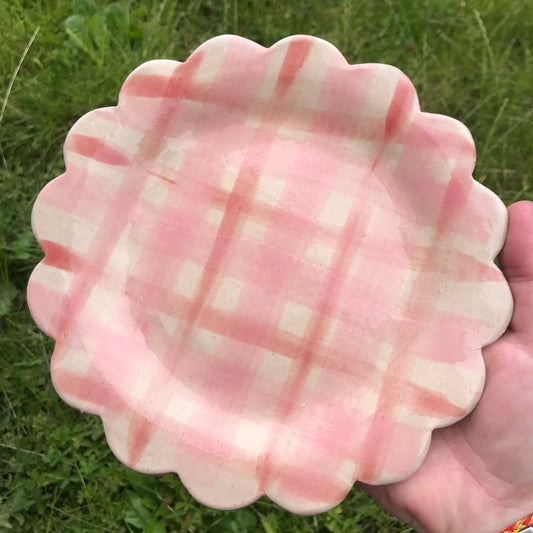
(269, 272)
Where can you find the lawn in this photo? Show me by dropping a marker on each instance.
(471, 60)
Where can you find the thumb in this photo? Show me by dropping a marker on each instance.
(516, 261)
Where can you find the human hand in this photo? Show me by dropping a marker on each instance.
(478, 473)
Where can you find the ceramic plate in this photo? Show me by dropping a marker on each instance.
(268, 271)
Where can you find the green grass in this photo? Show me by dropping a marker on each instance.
(60, 59)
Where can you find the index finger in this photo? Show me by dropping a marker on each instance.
(516, 261)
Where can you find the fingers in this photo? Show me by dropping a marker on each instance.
(516, 261)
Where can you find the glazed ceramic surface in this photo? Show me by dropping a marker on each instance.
(268, 271)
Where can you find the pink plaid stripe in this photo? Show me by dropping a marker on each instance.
(268, 271)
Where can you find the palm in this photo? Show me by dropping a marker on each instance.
(478, 474)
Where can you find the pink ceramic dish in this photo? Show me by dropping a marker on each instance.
(268, 271)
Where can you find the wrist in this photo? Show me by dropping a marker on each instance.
(495, 520)
(473, 513)
(524, 525)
